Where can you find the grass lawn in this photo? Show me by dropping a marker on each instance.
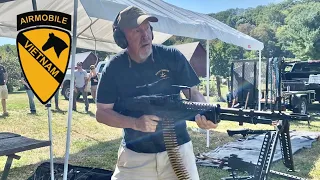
(95, 145)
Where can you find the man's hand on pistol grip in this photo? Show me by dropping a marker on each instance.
(146, 123)
(203, 123)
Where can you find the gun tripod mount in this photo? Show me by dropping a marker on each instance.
(261, 170)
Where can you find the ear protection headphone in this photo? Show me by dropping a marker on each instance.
(119, 36)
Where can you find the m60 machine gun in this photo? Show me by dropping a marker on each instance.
(245, 132)
(171, 108)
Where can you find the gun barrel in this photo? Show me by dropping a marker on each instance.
(276, 115)
(246, 119)
(244, 115)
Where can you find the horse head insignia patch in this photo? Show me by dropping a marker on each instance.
(44, 46)
(58, 44)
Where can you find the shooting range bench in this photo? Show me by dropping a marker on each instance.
(11, 143)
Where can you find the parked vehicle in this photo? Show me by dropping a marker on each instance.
(67, 79)
(301, 85)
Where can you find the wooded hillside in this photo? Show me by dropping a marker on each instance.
(290, 29)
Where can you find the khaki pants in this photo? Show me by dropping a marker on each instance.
(3, 92)
(140, 166)
(94, 92)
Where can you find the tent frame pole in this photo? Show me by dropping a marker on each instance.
(87, 27)
(74, 45)
(208, 83)
(259, 83)
(48, 106)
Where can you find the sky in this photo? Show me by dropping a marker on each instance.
(214, 6)
(206, 7)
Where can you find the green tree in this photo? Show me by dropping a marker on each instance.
(229, 17)
(175, 40)
(301, 33)
(289, 29)
(246, 28)
(11, 62)
(218, 60)
(220, 56)
(266, 35)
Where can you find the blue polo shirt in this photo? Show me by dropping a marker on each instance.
(124, 78)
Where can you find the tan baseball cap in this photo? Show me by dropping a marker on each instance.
(132, 17)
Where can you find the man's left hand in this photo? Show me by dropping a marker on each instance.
(203, 123)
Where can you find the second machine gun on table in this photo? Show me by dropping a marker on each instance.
(171, 108)
(245, 132)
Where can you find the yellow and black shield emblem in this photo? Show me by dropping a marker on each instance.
(44, 51)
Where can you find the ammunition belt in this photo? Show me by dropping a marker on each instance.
(171, 144)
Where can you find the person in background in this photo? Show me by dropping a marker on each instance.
(3, 88)
(80, 83)
(56, 100)
(29, 93)
(93, 76)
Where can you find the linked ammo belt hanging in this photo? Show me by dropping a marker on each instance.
(170, 140)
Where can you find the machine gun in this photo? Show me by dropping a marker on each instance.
(175, 108)
(245, 132)
(171, 108)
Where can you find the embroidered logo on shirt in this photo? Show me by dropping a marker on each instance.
(163, 73)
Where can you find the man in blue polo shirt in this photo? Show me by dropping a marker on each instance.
(142, 154)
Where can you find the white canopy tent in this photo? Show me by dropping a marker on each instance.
(92, 24)
(173, 20)
(91, 32)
